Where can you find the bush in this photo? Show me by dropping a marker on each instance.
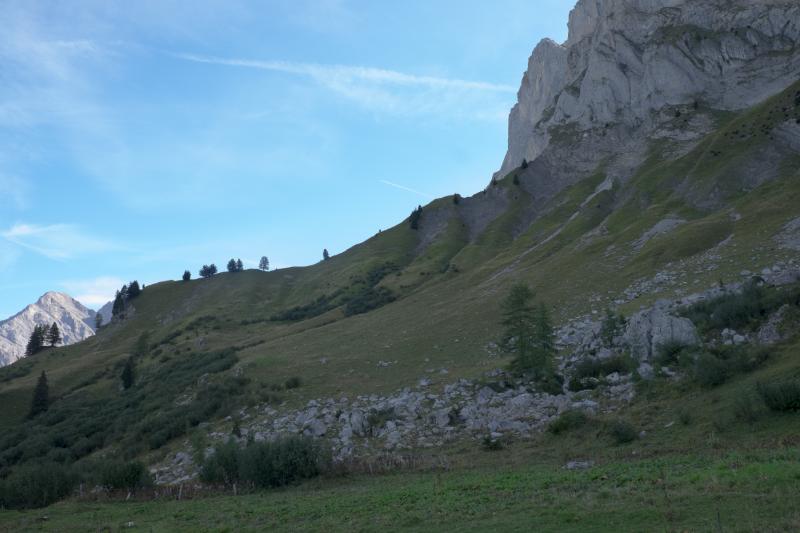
(551, 384)
(781, 396)
(671, 353)
(568, 420)
(265, 464)
(491, 445)
(368, 299)
(623, 432)
(710, 371)
(598, 368)
(292, 383)
(121, 475)
(36, 485)
(377, 418)
(745, 409)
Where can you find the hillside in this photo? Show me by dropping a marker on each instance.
(664, 202)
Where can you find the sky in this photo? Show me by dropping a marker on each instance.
(140, 139)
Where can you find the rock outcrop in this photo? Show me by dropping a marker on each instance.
(75, 322)
(628, 66)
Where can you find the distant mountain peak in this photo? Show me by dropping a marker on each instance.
(75, 322)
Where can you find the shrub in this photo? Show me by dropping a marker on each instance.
(551, 384)
(598, 368)
(781, 396)
(122, 475)
(568, 420)
(222, 466)
(685, 417)
(292, 383)
(623, 432)
(709, 370)
(671, 353)
(265, 464)
(36, 485)
(491, 445)
(745, 409)
(377, 418)
(368, 299)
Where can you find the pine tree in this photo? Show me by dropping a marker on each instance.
(518, 319)
(415, 216)
(208, 270)
(544, 348)
(127, 374)
(119, 305)
(41, 396)
(187, 275)
(264, 263)
(325, 255)
(232, 265)
(524, 164)
(134, 290)
(239, 265)
(36, 340)
(53, 335)
(98, 321)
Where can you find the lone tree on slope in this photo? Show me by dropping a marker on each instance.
(187, 275)
(41, 396)
(325, 254)
(53, 335)
(127, 374)
(528, 336)
(98, 321)
(264, 263)
(208, 270)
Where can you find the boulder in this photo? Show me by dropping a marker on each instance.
(651, 328)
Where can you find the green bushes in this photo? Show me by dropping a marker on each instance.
(568, 421)
(741, 310)
(587, 373)
(623, 432)
(781, 396)
(266, 464)
(122, 475)
(718, 365)
(368, 299)
(293, 382)
(36, 485)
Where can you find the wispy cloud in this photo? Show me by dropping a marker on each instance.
(329, 74)
(56, 241)
(404, 188)
(95, 292)
(389, 91)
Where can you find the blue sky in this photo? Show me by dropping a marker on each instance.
(139, 139)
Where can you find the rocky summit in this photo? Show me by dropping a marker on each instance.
(75, 322)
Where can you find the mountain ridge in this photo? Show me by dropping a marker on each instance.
(74, 320)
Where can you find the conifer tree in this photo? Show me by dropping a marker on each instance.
(41, 396)
(325, 255)
(232, 265)
(239, 265)
(98, 321)
(53, 335)
(133, 289)
(127, 374)
(518, 319)
(187, 275)
(36, 340)
(264, 263)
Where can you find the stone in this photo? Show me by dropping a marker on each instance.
(579, 465)
(650, 328)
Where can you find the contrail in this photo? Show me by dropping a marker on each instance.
(402, 187)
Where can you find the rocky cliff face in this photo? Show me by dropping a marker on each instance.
(629, 65)
(75, 322)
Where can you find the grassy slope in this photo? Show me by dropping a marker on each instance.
(709, 472)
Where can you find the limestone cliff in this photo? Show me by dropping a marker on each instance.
(627, 66)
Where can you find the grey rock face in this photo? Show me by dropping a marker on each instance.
(75, 322)
(627, 60)
(649, 329)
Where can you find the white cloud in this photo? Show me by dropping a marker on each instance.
(93, 293)
(404, 188)
(390, 91)
(56, 241)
